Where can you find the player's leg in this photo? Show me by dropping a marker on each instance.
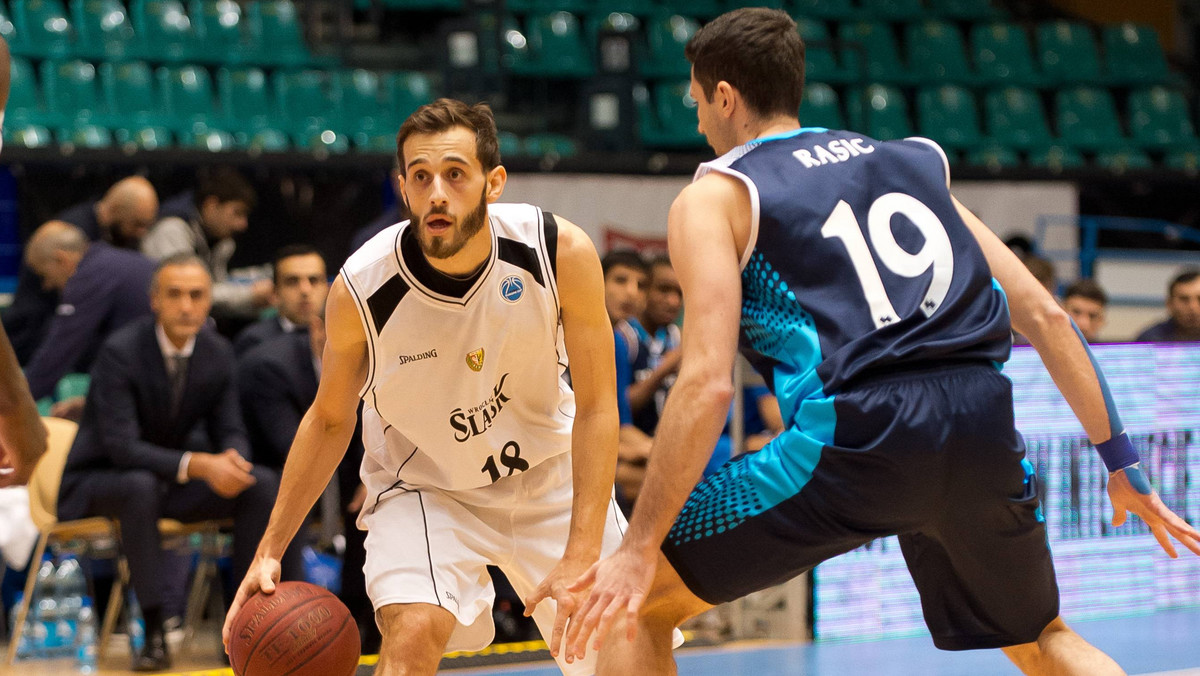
(1059, 651)
(414, 638)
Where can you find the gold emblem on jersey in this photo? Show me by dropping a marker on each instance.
(475, 360)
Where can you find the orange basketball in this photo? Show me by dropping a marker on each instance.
(300, 630)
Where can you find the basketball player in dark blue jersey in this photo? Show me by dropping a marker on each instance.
(863, 293)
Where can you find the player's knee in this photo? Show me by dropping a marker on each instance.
(415, 624)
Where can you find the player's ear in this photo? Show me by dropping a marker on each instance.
(496, 179)
(723, 98)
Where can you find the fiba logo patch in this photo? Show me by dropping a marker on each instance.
(512, 288)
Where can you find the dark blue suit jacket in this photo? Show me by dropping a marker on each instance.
(278, 383)
(127, 421)
(110, 288)
(256, 334)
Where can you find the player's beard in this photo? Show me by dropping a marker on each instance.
(442, 247)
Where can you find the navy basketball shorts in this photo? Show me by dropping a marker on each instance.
(931, 456)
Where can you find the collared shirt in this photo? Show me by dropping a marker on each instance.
(169, 352)
(288, 325)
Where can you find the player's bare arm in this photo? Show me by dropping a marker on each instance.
(1049, 329)
(707, 228)
(22, 434)
(589, 341)
(320, 442)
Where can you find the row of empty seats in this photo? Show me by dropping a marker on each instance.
(205, 31)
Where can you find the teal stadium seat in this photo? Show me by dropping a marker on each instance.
(1015, 118)
(134, 106)
(218, 26)
(667, 117)
(666, 38)
(364, 113)
(187, 94)
(1003, 55)
(700, 9)
(1087, 118)
(1133, 55)
(308, 111)
(7, 30)
(869, 50)
(993, 157)
(936, 53)
(1067, 52)
(1123, 159)
(27, 122)
(41, 29)
(948, 115)
(556, 47)
(70, 88)
(211, 140)
(879, 111)
(164, 30)
(1183, 160)
(247, 109)
(892, 10)
(85, 135)
(821, 107)
(510, 145)
(403, 93)
(276, 34)
(549, 144)
(1159, 118)
(820, 63)
(103, 30)
(965, 10)
(1056, 157)
(837, 10)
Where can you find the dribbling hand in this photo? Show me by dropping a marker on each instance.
(262, 576)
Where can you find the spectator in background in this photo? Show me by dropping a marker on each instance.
(1043, 271)
(101, 287)
(121, 218)
(205, 225)
(1020, 245)
(657, 359)
(301, 284)
(624, 298)
(762, 421)
(1087, 303)
(1183, 306)
(154, 382)
(390, 216)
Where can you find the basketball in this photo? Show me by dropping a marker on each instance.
(300, 630)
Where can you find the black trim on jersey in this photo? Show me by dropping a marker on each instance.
(385, 300)
(520, 255)
(551, 227)
(363, 308)
(425, 273)
(428, 551)
(617, 519)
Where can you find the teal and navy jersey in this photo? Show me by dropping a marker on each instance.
(858, 264)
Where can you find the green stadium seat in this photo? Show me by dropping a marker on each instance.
(7, 30)
(892, 10)
(838, 10)
(1159, 118)
(1056, 157)
(25, 102)
(993, 157)
(965, 10)
(132, 101)
(879, 111)
(1123, 159)
(103, 30)
(143, 138)
(187, 94)
(276, 34)
(936, 53)
(548, 144)
(1002, 54)
(700, 9)
(41, 28)
(72, 385)
(27, 135)
(1183, 160)
(510, 144)
(1067, 52)
(869, 49)
(306, 110)
(403, 93)
(820, 64)
(218, 25)
(821, 107)
(1133, 55)
(164, 30)
(667, 117)
(1087, 118)
(1015, 118)
(666, 38)
(948, 115)
(616, 40)
(212, 140)
(364, 113)
(70, 88)
(246, 106)
(85, 135)
(556, 48)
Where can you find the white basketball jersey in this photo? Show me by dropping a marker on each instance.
(464, 383)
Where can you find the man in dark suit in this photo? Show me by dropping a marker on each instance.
(301, 284)
(390, 216)
(101, 289)
(154, 382)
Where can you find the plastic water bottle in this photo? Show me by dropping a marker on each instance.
(46, 610)
(85, 639)
(137, 624)
(25, 646)
(71, 588)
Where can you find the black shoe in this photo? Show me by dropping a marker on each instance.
(153, 656)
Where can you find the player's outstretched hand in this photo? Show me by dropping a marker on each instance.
(557, 586)
(1130, 491)
(263, 575)
(620, 585)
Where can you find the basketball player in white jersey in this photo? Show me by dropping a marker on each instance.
(454, 329)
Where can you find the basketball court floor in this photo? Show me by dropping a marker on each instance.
(1163, 644)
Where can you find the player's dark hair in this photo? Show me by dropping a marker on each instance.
(1186, 277)
(291, 251)
(623, 257)
(1089, 289)
(225, 184)
(444, 114)
(758, 51)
